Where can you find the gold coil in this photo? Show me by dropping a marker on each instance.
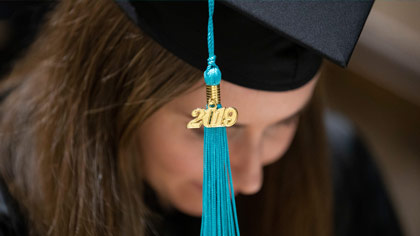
(213, 94)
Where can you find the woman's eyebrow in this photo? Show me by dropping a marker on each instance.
(284, 120)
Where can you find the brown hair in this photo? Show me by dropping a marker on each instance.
(67, 148)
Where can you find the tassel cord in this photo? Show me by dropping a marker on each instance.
(219, 216)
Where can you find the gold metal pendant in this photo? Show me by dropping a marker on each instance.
(213, 116)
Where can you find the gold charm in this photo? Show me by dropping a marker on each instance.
(213, 116)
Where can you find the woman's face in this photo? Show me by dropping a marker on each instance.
(173, 154)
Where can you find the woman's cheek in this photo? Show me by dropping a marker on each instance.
(184, 171)
(180, 153)
(172, 155)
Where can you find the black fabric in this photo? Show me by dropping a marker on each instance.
(247, 53)
(168, 222)
(329, 27)
(267, 50)
(265, 45)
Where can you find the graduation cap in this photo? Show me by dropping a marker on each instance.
(274, 45)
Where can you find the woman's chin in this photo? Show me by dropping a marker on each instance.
(189, 201)
(191, 209)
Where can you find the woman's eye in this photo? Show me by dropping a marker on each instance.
(199, 132)
(277, 128)
(290, 121)
(232, 132)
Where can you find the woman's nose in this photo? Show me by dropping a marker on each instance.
(247, 168)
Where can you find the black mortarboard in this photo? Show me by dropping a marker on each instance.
(271, 45)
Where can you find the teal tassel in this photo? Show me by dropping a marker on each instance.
(219, 208)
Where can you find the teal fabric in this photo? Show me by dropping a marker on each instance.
(219, 208)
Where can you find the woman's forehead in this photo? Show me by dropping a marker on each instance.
(263, 106)
(252, 105)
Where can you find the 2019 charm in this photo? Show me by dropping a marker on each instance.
(215, 115)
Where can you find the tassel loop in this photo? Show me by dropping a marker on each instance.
(211, 61)
(212, 75)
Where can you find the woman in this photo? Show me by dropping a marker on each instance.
(93, 138)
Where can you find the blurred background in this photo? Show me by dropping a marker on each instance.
(379, 91)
